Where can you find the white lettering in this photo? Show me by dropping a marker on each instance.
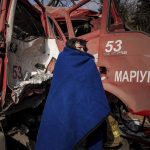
(119, 45)
(132, 75)
(148, 79)
(113, 46)
(118, 76)
(125, 76)
(109, 46)
(142, 75)
(137, 76)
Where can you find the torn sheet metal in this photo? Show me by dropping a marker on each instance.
(28, 62)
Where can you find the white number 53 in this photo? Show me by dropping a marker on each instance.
(115, 46)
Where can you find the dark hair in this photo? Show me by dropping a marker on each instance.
(71, 43)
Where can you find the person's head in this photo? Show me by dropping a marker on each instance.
(78, 44)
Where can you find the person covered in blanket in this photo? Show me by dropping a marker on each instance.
(76, 106)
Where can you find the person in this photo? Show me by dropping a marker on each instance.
(76, 104)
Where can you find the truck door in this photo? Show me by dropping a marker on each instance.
(27, 46)
(30, 49)
(55, 40)
(124, 58)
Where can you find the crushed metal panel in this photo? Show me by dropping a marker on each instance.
(28, 62)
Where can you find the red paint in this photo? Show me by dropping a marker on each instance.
(135, 96)
(141, 113)
(133, 56)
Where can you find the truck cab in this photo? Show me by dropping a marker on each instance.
(31, 38)
(26, 50)
(122, 57)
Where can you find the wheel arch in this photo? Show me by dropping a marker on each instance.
(117, 93)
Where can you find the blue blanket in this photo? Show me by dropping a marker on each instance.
(76, 103)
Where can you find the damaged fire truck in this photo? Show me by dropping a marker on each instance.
(30, 40)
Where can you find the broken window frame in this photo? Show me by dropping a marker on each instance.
(36, 24)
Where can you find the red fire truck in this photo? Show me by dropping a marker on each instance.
(122, 58)
(31, 38)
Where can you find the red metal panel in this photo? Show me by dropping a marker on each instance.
(126, 58)
(3, 59)
(3, 15)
